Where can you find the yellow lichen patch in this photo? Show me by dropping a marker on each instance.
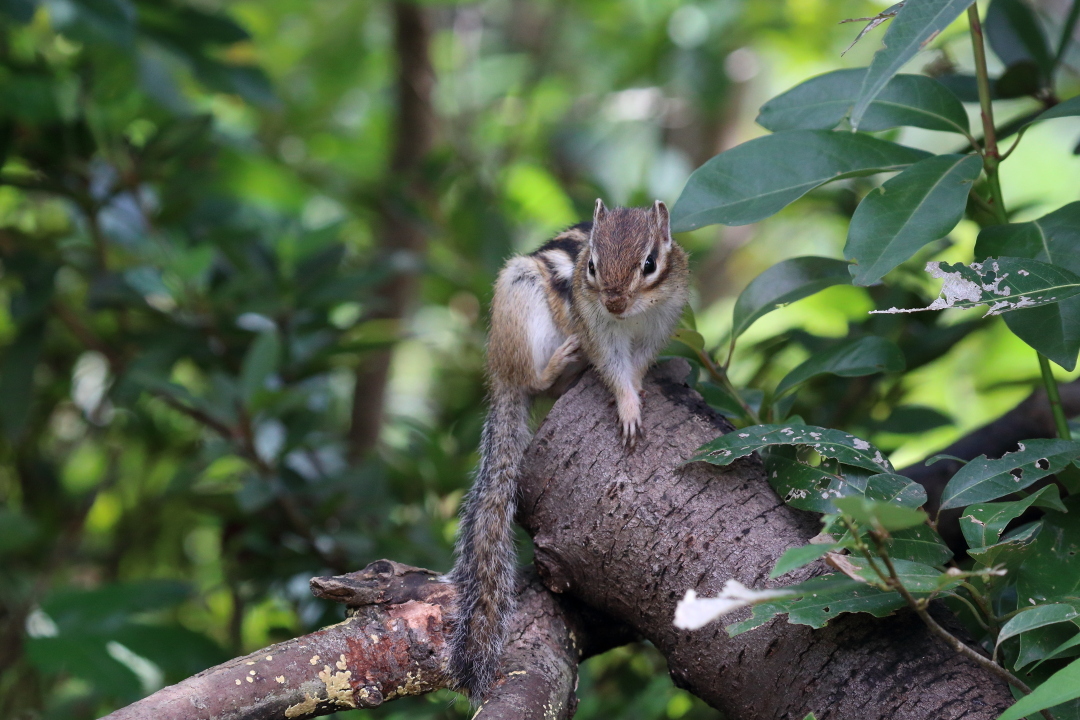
(314, 660)
(249, 679)
(308, 705)
(341, 664)
(280, 679)
(338, 689)
(413, 685)
(251, 673)
(269, 657)
(375, 638)
(250, 662)
(237, 682)
(517, 672)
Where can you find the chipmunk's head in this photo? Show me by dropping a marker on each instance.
(627, 259)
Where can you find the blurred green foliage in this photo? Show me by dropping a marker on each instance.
(191, 202)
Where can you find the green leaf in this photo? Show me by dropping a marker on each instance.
(912, 420)
(1049, 655)
(819, 600)
(1068, 108)
(1053, 330)
(87, 658)
(1014, 548)
(1036, 617)
(784, 283)
(860, 356)
(260, 362)
(796, 557)
(916, 577)
(1005, 284)
(822, 102)
(917, 22)
(827, 442)
(982, 479)
(983, 523)
(919, 544)
(875, 514)
(896, 489)
(1049, 572)
(107, 608)
(920, 205)
(759, 178)
(1015, 35)
(1062, 686)
(810, 487)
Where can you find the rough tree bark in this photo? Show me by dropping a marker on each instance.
(626, 534)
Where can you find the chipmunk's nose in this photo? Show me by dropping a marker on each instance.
(616, 304)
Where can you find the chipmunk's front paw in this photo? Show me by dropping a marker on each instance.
(631, 431)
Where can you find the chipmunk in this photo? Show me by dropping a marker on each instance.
(608, 293)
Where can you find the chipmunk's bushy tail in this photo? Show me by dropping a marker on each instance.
(486, 568)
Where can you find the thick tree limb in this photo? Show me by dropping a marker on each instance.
(627, 534)
(630, 533)
(393, 646)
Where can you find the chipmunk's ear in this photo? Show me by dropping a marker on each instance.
(599, 211)
(663, 219)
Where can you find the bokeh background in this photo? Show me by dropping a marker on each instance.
(246, 251)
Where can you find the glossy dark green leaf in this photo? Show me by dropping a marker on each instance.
(1015, 35)
(827, 442)
(1037, 617)
(916, 577)
(919, 544)
(260, 362)
(892, 488)
(822, 102)
(920, 205)
(810, 487)
(1062, 686)
(853, 358)
(1015, 547)
(796, 557)
(87, 658)
(759, 178)
(784, 283)
(982, 479)
(1053, 330)
(1004, 284)
(983, 523)
(876, 514)
(819, 600)
(917, 22)
(1049, 574)
(1039, 645)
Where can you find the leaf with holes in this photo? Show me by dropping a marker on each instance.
(1005, 284)
(843, 446)
(919, 544)
(915, 25)
(983, 523)
(1015, 547)
(916, 577)
(1053, 330)
(982, 479)
(759, 178)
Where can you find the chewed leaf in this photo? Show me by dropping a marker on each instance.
(827, 442)
(982, 480)
(1004, 284)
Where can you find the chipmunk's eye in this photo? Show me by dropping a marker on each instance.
(592, 268)
(649, 267)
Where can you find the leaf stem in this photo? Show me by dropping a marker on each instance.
(1060, 421)
(991, 157)
(919, 606)
(720, 375)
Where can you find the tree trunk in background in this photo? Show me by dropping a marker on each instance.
(401, 238)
